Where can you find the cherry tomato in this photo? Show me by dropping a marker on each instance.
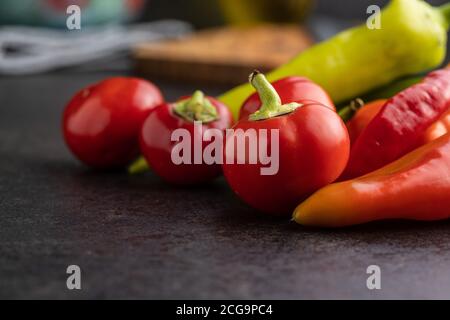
(101, 124)
(290, 89)
(313, 150)
(192, 116)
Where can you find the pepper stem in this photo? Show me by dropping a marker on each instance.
(349, 111)
(139, 166)
(197, 108)
(445, 10)
(271, 102)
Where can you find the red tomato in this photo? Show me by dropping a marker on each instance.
(290, 89)
(101, 123)
(313, 151)
(157, 145)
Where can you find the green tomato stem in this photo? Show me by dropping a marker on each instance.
(139, 166)
(271, 102)
(197, 108)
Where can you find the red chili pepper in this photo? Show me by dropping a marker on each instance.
(400, 125)
(157, 143)
(101, 123)
(290, 89)
(313, 150)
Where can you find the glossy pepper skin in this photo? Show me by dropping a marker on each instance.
(101, 123)
(398, 128)
(313, 151)
(367, 113)
(289, 89)
(412, 40)
(157, 144)
(415, 187)
(437, 129)
(362, 118)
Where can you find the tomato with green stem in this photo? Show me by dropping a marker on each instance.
(190, 118)
(308, 143)
(290, 89)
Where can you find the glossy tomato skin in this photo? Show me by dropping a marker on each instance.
(314, 148)
(290, 89)
(156, 144)
(101, 124)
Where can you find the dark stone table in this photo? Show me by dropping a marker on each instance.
(136, 237)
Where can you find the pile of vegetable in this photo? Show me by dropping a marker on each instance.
(387, 159)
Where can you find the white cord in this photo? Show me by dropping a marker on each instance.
(41, 49)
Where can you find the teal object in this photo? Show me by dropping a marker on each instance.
(52, 13)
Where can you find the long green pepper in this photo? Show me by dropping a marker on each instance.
(412, 39)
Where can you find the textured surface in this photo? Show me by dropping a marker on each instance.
(135, 237)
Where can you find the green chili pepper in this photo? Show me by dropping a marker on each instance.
(348, 109)
(412, 39)
(387, 92)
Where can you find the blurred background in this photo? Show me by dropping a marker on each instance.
(201, 13)
(127, 34)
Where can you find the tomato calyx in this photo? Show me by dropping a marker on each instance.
(196, 108)
(271, 102)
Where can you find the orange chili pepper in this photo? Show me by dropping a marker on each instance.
(362, 118)
(438, 129)
(415, 187)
